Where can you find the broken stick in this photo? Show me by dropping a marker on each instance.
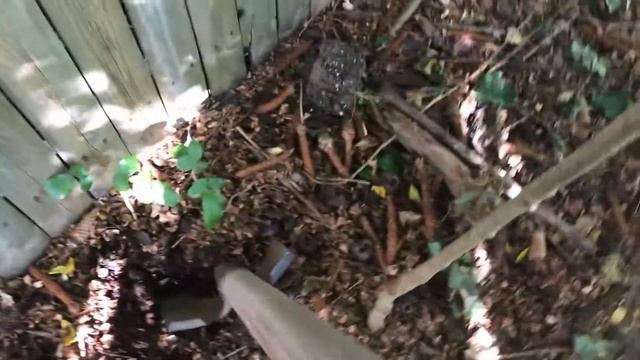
(275, 103)
(55, 290)
(264, 165)
(393, 243)
(609, 141)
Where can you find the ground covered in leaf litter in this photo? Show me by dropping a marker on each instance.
(543, 290)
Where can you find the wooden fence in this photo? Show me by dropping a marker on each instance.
(89, 81)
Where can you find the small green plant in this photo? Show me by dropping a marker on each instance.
(493, 88)
(611, 103)
(590, 348)
(615, 5)
(61, 185)
(589, 59)
(130, 176)
(126, 167)
(213, 202)
(391, 161)
(189, 158)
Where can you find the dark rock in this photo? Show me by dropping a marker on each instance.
(335, 78)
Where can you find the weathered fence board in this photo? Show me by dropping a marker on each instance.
(99, 39)
(31, 240)
(217, 30)
(291, 13)
(164, 31)
(38, 75)
(318, 5)
(259, 27)
(23, 149)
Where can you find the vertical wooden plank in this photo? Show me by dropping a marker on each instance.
(20, 241)
(291, 14)
(98, 37)
(218, 34)
(259, 27)
(38, 75)
(27, 194)
(318, 5)
(164, 31)
(25, 155)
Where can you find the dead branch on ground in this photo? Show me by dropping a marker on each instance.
(275, 103)
(55, 290)
(393, 243)
(264, 165)
(293, 56)
(609, 141)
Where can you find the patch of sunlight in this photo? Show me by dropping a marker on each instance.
(98, 81)
(56, 118)
(25, 70)
(95, 120)
(482, 343)
(101, 307)
(186, 105)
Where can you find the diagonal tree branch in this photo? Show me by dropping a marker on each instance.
(610, 140)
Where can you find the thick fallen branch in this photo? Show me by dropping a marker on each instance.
(614, 137)
(275, 103)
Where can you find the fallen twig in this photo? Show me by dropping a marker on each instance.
(426, 199)
(325, 143)
(404, 16)
(569, 231)
(610, 140)
(348, 135)
(393, 243)
(264, 165)
(305, 150)
(456, 174)
(373, 156)
(534, 353)
(275, 103)
(388, 94)
(377, 243)
(288, 60)
(55, 290)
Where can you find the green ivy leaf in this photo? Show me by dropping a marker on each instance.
(212, 208)
(126, 167)
(59, 186)
(590, 348)
(189, 157)
(615, 5)
(81, 173)
(169, 196)
(493, 88)
(391, 161)
(434, 248)
(461, 278)
(589, 59)
(177, 151)
(201, 186)
(611, 103)
(366, 174)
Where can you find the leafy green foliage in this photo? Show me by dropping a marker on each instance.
(589, 348)
(493, 88)
(126, 167)
(391, 161)
(611, 103)
(589, 59)
(380, 40)
(615, 5)
(189, 157)
(208, 190)
(81, 173)
(59, 186)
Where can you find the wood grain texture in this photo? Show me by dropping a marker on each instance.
(318, 5)
(259, 27)
(39, 76)
(98, 37)
(20, 241)
(21, 147)
(218, 34)
(164, 31)
(291, 14)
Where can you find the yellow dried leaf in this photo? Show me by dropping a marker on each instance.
(380, 191)
(618, 315)
(69, 331)
(522, 255)
(66, 269)
(414, 194)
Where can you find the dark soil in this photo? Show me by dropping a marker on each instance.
(125, 265)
